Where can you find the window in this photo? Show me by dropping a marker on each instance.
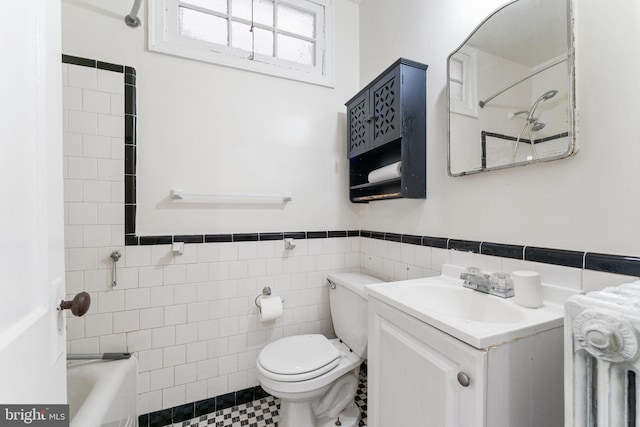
(285, 38)
(462, 82)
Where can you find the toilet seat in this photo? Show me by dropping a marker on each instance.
(298, 358)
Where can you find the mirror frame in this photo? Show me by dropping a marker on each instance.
(572, 149)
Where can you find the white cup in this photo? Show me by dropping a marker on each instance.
(527, 288)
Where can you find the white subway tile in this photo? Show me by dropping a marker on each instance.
(161, 255)
(228, 364)
(161, 378)
(208, 330)
(598, 280)
(189, 255)
(137, 298)
(175, 274)
(208, 252)
(117, 148)
(150, 276)
(229, 326)
(126, 321)
(175, 314)
(110, 81)
(150, 402)
(135, 256)
(207, 369)
(73, 190)
(72, 98)
(315, 246)
(110, 170)
(185, 374)
(186, 333)
(207, 291)
(139, 340)
(239, 306)
(175, 355)
(85, 345)
(96, 102)
(117, 105)
(196, 391)
(163, 337)
(98, 324)
(249, 287)
(257, 268)
(65, 72)
(439, 257)
(82, 213)
(267, 249)
(197, 273)
(218, 386)
(110, 125)
(162, 296)
(238, 380)
(82, 259)
(116, 343)
(82, 122)
(247, 360)
(94, 146)
(228, 251)
(127, 277)
(247, 250)
(149, 360)
(110, 213)
(82, 168)
(143, 382)
(96, 236)
(173, 396)
(238, 269)
(152, 318)
(73, 236)
(274, 267)
(110, 301)
(197, 312)
(257, 340)
(197, 351)
(227, 289)
(218, 347)
(82, 77)
(218, 271)
(117, 193)
(185, 294)
(75, 327)
(565, 277)
(330, 246)
(97, 280)
(218, 309)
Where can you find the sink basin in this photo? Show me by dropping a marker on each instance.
(481, 320)
(463, 303)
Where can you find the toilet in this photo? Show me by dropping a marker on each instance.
(315, 378)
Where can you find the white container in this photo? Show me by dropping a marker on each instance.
(527, 288)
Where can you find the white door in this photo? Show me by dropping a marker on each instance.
(32, 343)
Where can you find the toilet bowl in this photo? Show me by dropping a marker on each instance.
(316, 378)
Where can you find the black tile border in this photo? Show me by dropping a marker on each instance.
(181, 413)
(619, 264)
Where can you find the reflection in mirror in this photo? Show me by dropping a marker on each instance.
(510, 89)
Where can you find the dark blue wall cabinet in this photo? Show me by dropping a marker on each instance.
(387, 123)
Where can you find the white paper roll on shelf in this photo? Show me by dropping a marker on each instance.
(391, 171)
(270, 308)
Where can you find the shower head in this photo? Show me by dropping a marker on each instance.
(545, 96)
(537, 126)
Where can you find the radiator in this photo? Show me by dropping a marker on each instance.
(601, 358)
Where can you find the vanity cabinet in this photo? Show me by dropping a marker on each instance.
(419, 376)
(386, 123)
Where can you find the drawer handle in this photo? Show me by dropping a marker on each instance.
(369, 119)
(463, 379)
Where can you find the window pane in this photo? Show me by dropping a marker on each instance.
(241, 36)
(263, 12)
(296, 21)
(455, 69)
(241, 9)
(217, 5)
(296, 50)
(456, 91)
(264, 41)
(202, 26)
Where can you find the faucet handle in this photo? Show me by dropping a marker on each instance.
(501, 285)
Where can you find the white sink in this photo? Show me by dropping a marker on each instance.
(479, 319)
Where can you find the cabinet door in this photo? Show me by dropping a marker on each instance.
(413, 374)
(385, 108)
(359, 121)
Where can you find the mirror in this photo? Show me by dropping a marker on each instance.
(510, 89)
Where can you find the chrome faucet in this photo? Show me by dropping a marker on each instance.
(498, 284)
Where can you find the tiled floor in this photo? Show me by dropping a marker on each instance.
(264, 412)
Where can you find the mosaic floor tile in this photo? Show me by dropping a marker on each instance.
(264, 412)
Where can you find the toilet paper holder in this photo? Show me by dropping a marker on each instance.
(266, 291)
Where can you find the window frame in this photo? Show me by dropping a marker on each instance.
(468, 106)
(165, 38)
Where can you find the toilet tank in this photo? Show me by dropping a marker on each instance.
(348, 302)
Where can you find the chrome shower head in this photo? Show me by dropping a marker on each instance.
(545, 96)
(537, 126)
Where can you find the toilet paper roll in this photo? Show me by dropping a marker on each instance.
(270, 308)
(527, 288)
(391, 171)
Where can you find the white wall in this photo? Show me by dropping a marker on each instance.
(203, 127)
(587, 202)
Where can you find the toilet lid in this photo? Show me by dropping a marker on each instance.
(299, 354)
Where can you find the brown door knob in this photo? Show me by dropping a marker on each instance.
(79, 305)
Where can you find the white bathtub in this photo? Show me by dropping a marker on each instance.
(103, 393)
